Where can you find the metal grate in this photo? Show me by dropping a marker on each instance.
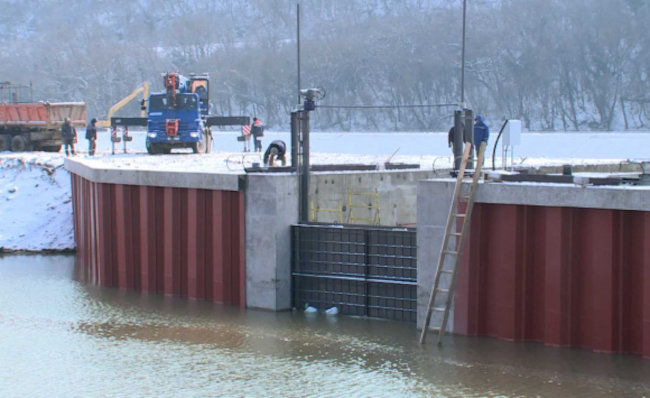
(364, 271)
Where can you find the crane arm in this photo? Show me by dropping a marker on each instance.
(145, 93)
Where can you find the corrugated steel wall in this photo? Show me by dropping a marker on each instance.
(174, 241)
(563, 276)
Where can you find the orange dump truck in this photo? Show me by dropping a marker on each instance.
(36, 126)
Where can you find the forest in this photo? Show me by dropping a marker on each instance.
(558, 65)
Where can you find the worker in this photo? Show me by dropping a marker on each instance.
(257, 128)
(451, 137)
(69, 134)
(481, 133)
(91, 136)
(276, 151)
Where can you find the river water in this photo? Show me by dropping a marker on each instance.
(60, 337)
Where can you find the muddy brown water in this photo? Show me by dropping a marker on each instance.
(61, 337)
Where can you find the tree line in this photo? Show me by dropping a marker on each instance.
(554, 64)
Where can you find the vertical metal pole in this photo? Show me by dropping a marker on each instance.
(457, 139)
(304, 183)
(469, 136)
(462, 60)
(298, 45)
(295, 142)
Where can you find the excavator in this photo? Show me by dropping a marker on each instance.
(144, 89)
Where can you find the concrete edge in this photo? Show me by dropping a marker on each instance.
(560, 195)
(172, 179)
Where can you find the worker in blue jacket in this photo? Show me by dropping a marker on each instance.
(481, 132)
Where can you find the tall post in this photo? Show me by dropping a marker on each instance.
(304, 178)
(469, 136)
(457, 139)
(462, 60)
(298, 45)
(295, 139)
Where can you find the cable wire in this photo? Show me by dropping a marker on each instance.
(385, 106)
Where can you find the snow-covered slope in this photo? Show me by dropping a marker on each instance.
(35, 203)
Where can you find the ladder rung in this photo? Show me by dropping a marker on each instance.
(455, 234)
(443, 290)
(446, 271)
(440, 309)
(460, 215)
(452, 252)
(464, 197)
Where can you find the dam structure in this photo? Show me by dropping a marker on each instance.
(565, 264)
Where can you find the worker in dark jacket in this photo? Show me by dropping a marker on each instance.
(451, 135)
(69, 134)
(257, 129)
(481, 133)
(276, 151)
(91, 136)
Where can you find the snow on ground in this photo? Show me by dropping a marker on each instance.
(35, 199)
(35, 202)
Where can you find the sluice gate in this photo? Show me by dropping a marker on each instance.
(362, 271)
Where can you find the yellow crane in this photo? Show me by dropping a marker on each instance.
(145, 94)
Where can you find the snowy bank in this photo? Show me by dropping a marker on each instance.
(36, 210)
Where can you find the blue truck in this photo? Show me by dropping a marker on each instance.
(179, 116)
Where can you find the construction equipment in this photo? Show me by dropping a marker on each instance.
(178, 117)
(34, 126)
(455, 239)
(144, 89)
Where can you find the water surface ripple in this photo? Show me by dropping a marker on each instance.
(60, 337)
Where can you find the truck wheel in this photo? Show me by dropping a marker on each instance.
(153, 149)
(5, 143)
(208, 143)
(51, 148)
(18, 144)
(199, 147)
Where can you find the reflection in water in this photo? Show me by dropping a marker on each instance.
(59, 337)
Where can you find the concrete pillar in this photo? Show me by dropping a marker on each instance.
(271, 203)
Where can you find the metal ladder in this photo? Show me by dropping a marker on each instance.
(451, 231)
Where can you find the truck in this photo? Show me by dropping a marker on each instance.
(179, 116)
(34, 126)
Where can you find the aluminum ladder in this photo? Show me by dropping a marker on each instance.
(452, 231)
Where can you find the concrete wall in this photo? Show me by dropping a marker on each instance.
(271, 208)
(561, 264)
(395, 198)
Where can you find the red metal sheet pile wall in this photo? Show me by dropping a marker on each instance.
(562, 276)
(175, 241)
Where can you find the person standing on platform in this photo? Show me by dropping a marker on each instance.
(69, 134)
(91, 136)
(481, 133)
(451, 135)
(257, 129)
